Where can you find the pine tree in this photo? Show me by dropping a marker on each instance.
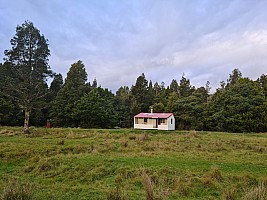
(234, 77)
(94, 84)
(55, 86)
(122, 107)
(174, 87)
(185, 88)
(140, 93)
(72, 90)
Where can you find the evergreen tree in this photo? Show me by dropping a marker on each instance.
(150, 89)
(185, 88)
(239, 108)
(96, 109)
(140, 93)
(55, 86)
(171, 100)
(262, 81)
(134, 107)
(234, 77)
(122, 107)
(174, 87)
(189, 110)
(72, 90)
(158, 107)
(242, 102)
(157, 91)
(10, 114)
(94, 85)
(28, 69)
(150, 93)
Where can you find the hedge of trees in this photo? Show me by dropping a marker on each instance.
(238, 105)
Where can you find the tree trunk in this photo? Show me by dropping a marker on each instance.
(26, 121)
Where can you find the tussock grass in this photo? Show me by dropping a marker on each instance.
(60, 142)
(256, 193)
(229, 194)
(8, 132)
(147, 185)
(216, 174)
(115, 195)
(15, 190)
(181, 187)
(192, 134)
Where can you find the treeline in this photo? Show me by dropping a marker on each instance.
(239, 105)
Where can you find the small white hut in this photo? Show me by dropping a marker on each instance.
(158, 121)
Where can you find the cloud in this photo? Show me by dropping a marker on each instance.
(119, 40)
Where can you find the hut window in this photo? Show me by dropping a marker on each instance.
(145, 120)
(161, 121)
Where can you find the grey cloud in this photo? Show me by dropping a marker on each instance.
(118, 40)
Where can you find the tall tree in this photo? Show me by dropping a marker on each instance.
(72, 90)
(122, 107)
(234, 77)
(140, 93)
(27, 64)
(56, 85)
(171, 102)
(185, 88)
(150, 93)
(174, 87)
(156, 89)
(262, 81)
(189, 110)
(161, 94)
(94, 84)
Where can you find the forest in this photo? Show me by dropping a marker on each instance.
(26, 99)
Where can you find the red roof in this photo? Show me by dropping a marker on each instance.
(154, 115)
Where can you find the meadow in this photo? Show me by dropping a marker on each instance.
(69, 163)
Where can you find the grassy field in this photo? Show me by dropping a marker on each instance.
(131, 164)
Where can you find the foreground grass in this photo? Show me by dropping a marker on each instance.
(132, 164)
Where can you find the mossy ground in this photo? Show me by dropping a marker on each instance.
(66, 163)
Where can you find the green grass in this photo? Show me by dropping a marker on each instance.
(110, 164)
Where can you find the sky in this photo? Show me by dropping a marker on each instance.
(118, 40)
